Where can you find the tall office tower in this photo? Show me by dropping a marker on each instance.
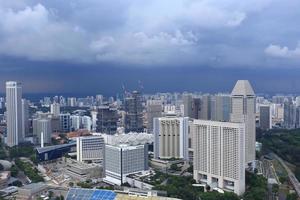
(196, 108)
(65, 122)
(122, 160)
(265, 117)
(14, 113)
(187, 103)
(219, 154)
(25, 118)
(90, 148)
(289, 112)
(134, 113)
(107, 119)
(171, 137)
(205, 110)
(42, 126)
(55, 109)
(243, 110)
(154, 110)
(220, 107)
(86, 122)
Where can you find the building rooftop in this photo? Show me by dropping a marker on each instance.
(242, 88)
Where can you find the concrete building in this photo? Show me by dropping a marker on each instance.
(107, 119)
(32, 191)
(25, 118)
(65, 123)
(122, 160)
(75, 122)
(243, 111)
(86, 123)
(90, 148)
(134, 113)
(289, 112)
(265, 117)
(187, 103)
(219, 154)
(55, 109)
(196, 108)
(14, 113)
(154, 110)
(171, 137)
(42, 126)
(221, 110)
(205, 110)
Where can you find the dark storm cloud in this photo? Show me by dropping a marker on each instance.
(152, 33)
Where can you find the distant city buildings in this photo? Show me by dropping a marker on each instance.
(154, 110)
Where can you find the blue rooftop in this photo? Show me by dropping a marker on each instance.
(90, 194)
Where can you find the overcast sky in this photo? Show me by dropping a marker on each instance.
(95, 46)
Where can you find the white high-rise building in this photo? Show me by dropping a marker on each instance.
(219, 154)
(243, 110)
(86, 123)
(171, 137)
(55, 109)
(90, 148)
(14, 113)
(122, 160)
(42, 126)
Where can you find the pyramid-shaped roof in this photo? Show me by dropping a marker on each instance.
(242, 88)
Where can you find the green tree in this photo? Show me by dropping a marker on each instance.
(292, 196)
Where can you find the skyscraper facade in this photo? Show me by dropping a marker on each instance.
(134, 115)
(107, 119)
(14, 113)
(219, 154)
(154, 110)
(265, 117)
(243, 111)
(90, 148)
(171, 137)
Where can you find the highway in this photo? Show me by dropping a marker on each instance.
(291, 175)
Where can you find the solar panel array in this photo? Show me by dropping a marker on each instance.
(90, 194)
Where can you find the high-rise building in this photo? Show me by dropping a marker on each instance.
(187, 103)
(265, 117)
(42, 129)
(154, 110)
(219, 154)
(196, 108)
(122, 160)
(107, 119)
(65, 122)
(90, 148)
(205, 110)
(134, 113)
(86, 122)
(25, 118)
(14, 113)
(55, 109)
(221, 108)
(171, 137)
(289, 112)
(71, 101)
(243, 111)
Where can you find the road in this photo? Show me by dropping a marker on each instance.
(291, 175)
